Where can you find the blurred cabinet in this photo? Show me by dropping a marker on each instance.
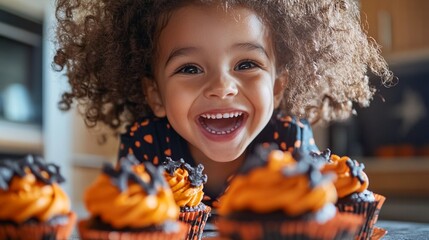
(87, 158)
(401, 27)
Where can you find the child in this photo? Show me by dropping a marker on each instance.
(208, 80)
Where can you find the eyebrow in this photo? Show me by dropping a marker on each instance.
(251, 47)
(179, 52)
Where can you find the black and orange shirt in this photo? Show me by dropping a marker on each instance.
(153, 139)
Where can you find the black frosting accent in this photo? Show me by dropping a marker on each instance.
(258, 157)
(356, 169)
(357, 197)
(124, 173)
(311, 163)
(196, 176)
(199, 207)
(323, 157)
(308, 163)
(16, 167)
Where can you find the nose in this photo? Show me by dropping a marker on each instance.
(221, 86)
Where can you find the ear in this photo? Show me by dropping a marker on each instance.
(279, 86)
(153, 97)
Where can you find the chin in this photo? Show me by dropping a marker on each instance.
(223, 160)
(216, 157)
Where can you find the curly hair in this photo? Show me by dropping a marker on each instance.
(106, 47)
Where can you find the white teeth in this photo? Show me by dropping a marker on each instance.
(221, 115)
(237, 125)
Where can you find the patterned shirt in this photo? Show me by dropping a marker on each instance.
(153, 139)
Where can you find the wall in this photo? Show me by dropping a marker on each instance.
(67, 142)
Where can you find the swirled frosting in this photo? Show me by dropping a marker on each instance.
(350, 175)
(29, 190)
(186, 182)
(282, 184)
(131, 195)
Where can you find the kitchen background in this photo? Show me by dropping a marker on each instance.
(391, 136)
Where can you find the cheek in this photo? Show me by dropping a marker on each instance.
(260, 93)
(178, 99)
(266, 101)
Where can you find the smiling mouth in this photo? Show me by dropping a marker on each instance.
(221, 123)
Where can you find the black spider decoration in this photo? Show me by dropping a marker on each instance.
(310, 168)
(196, 176)
(323, 157)
(356, 169)
(124, 173)
(16, 167)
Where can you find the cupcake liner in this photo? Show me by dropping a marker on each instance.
(378, 233)
(368, 210)
(38, 230)
(342, 226)
(196, 221)
(85, 232)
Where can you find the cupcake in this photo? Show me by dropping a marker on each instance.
(187, 184)
(281, 198)
(131, 201)
(32, 204)
(353, 194)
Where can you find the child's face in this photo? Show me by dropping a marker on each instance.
(215, 75)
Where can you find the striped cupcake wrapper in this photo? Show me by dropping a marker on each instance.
(342, 226)
(196, 221)
(368, 210)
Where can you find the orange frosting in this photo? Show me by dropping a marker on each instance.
(268, 189)
(346, 182)
(132, 207)
(184, 193)
(27, 197)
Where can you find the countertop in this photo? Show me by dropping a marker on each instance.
(404, 230)
(396, 230)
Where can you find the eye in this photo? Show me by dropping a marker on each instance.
(189, 69)
(245, 65)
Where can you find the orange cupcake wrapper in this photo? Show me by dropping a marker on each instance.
(196, 221)
(369, 211)
(380, 199)
(87, 233)
(342, 226)
(38, 230)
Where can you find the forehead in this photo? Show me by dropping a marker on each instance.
(202, 24)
